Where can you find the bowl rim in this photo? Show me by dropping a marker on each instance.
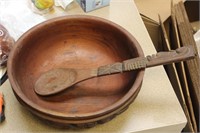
(28, 102)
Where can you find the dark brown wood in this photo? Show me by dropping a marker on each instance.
(192, 66)
(161, 58)
(57, 80)
(173, 56)
(180, 67)
(75, 42)
(173, 72)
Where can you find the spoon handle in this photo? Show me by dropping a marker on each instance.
(161, 58)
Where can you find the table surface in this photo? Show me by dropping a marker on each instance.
(156, 107)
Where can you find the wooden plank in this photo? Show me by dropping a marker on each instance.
(175, 79)
(181, 69)
(192, 66)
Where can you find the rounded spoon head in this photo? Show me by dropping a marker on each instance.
(54, 81)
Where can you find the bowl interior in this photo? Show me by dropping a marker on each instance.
(74, 42)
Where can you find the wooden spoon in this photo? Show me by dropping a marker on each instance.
(59, 79)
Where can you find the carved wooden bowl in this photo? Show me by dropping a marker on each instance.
(75, 42)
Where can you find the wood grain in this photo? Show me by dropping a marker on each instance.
(75, 42)
(192, 66)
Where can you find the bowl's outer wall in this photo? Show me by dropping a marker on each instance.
(76, 42)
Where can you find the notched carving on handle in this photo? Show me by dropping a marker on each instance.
(136, 63)
(110, 69)
(172, 56)
(161, 58)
